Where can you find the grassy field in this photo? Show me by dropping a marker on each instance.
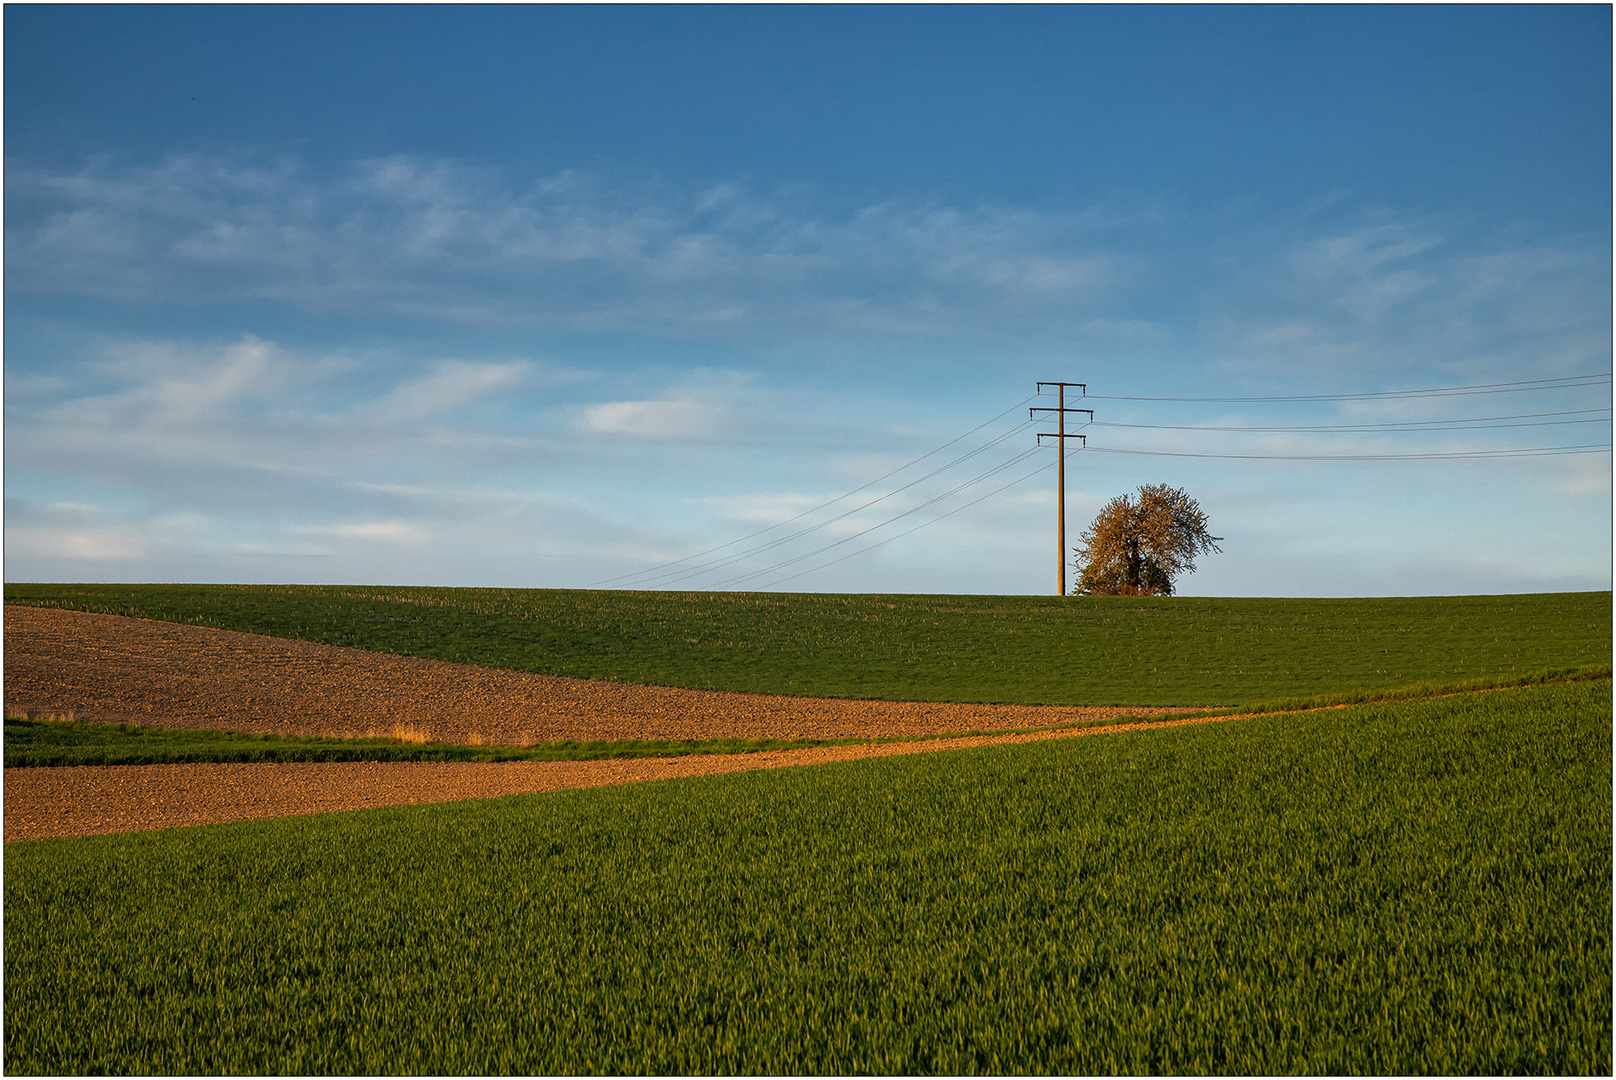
(1036, 650)
(57, 741)
(1420, 887)
(35, 743)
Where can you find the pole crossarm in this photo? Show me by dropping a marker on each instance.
(1060, 410)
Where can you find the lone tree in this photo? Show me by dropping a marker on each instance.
(1136, 547)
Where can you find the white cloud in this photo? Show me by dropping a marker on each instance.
(766, 509)
(451, 385)
(1582, 475)
(75, 544)
(184, 385)
(1400, 299)
(1347, 291)
(671, 419)
(265, 416)
(74, 533)
(424, 237)
(386, 532)
(491, 468)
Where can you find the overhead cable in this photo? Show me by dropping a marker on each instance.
(1470, 424)
(932, 521)
(822, 506)
(696, 571)
(1534, 451)
(1524, 386)
(881, 525)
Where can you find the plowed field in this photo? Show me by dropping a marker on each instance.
(114, 669)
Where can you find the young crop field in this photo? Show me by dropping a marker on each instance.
(62, 741)
(1035, 650)
(36, 743)
(1413, 887)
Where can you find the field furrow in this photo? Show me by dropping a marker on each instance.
(122, 670)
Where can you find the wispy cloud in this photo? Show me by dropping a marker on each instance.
(86, 535)
(1384, 298)
(188, 453)
(245, 457)
(70, 531)
(430, 238)
(386, 532)
(451, 384)
(169, 384)
(670, 419)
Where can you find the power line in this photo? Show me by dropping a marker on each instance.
(1535, 451)
(680, 570)
(1467, 424)
(965, 506)
(1060, 411)
(883, 524)
(696, 571)
(880, 525)
(652, 570)
(1524, 386)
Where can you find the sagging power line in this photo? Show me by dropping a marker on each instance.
(915, 528)
(1524, 386)
(1390, 427)
(1535, 451)
(791, 567)
(1437, 425)
(688, 567)
(895, 518)
(729, 560)
(1060, 411)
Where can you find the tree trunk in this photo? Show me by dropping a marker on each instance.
(1133, 578)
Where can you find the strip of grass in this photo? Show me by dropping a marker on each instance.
(35, 743)
(32, 743)
(1416, 691)
(1401, 888)
(1027, 649)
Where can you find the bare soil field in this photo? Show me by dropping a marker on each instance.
(119, 670)
(88, 800)
(135, 671)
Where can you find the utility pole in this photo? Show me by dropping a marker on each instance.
(1060, 436)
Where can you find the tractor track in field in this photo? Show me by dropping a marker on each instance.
(114, 669)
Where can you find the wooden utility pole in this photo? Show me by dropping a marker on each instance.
(1060, 436)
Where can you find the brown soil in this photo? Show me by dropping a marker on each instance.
(114, 669)
(87, 800)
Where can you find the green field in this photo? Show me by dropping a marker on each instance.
(1410, 886)
(34, 743)
(58, 741)
(1038, 650)
(1420, 887)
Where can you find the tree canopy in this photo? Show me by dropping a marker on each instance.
(1136, 547)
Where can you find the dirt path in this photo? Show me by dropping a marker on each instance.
(88, 800)
(113, 669)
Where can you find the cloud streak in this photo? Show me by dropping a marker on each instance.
(248, 457)
(1383, 298)
(670, 419)
(418, 237)
(451, 385)
(422, 239)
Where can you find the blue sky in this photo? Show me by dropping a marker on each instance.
(527, 296)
